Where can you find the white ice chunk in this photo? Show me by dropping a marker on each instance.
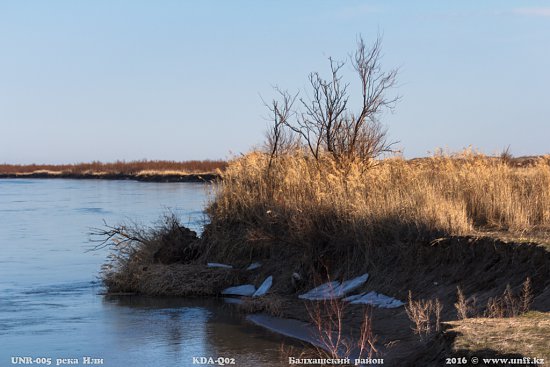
(240, 290)
(218, 265)
(322, 292)
(377, 299)
(254, 266)
(335, 289)
(264, 287)
(350, 285)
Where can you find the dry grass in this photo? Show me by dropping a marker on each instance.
(182, 280)
(464, 308)
(335, 337)
(510, 304)
(425, 314)
(269, 304)
(143, 167)
(311, 204)
(526, 335)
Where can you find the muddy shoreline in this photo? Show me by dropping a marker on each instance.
(193, 178)
(481, 266)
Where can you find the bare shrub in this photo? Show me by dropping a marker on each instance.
(334, 340)
(506, 156)
(510, 304)
(425, 314)
(464, 309)
(526, 296)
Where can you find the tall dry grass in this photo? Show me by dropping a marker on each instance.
(301, 201)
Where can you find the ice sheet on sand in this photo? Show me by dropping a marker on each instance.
(321, 292)
(289, 327)
(334, 289)
(302, 331)
(218, 265)
(240, 290)
(351, 285)
(375, 299)
(264, 287)
(254, 266)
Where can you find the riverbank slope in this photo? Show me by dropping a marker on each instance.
(466, 232)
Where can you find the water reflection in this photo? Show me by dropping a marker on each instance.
(185, 328)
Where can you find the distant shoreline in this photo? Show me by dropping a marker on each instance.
(144, 170)
(157, 177)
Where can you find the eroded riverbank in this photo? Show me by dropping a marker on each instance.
(482, 267)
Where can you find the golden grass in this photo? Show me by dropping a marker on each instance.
(144, 167)
(526, 335)
(302, 201)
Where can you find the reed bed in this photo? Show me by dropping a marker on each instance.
(296, 200)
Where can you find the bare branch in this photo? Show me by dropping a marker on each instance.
(325, 122)
(279, 138)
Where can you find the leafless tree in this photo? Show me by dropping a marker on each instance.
(325, 122)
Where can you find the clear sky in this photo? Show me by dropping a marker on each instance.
(135, 79)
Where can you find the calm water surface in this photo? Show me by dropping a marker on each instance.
(50, 302)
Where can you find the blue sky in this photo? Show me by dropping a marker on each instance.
(107, 80)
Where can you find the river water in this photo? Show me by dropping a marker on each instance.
(51, 305)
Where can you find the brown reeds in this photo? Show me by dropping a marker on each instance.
(119, 167)
(302, 201)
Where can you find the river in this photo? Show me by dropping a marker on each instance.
(51, 302)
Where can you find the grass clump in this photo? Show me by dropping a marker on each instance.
(162, 260)
(269, 304)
